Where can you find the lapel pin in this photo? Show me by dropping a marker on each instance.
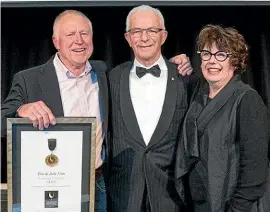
(172, 78)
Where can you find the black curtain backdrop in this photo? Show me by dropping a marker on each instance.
(26, 39)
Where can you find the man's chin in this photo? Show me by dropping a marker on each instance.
(80, 58)
(79, 64)
(80, 61)
(147, 57)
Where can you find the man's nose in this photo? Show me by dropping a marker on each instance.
(144, 35)
(78, 38)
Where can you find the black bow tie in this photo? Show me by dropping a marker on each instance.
(155, 70)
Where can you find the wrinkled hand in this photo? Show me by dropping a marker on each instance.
(38, 113)
(184, 65)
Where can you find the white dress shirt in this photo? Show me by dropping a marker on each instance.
(147, 96)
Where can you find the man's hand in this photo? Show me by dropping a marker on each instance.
(183, 62)
(38, 113)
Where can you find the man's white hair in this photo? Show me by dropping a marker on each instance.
(144, 8)
(68, 12)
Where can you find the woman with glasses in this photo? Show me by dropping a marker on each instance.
(225, 132)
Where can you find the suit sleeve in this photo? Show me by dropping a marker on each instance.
(15, 99)
(253, 138)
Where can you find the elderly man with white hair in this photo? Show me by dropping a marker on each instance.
(149, 100)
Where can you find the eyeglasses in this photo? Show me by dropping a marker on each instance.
(137, 32)
(219, 55)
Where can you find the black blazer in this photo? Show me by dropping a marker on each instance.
(135, 167)
(226, 141)
(40, 84)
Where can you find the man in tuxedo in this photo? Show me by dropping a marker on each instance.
(68, 85)
(149, 100)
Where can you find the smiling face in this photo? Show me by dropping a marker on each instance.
(147, 49)
(215, 72)
(73, 40)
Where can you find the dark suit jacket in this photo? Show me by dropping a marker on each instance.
(40, 84)
(134, 166)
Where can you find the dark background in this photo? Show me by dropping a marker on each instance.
(26, 38)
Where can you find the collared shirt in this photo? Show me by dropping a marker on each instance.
(147, 96)
(80, 96)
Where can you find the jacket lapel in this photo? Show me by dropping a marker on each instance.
(168, 106)
(126, 107)
(50, 88)
(103, 92)
(216, 104)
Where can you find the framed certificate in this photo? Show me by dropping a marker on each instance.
(53, 169)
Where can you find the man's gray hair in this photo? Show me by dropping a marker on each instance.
(144, 8)
(68, 12)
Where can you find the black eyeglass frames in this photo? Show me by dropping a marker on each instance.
(219, 55)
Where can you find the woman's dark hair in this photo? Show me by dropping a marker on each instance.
(228, 40)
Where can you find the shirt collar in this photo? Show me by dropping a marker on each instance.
(63, 72)
(161, 62)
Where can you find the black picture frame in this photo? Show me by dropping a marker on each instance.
(15, 126)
